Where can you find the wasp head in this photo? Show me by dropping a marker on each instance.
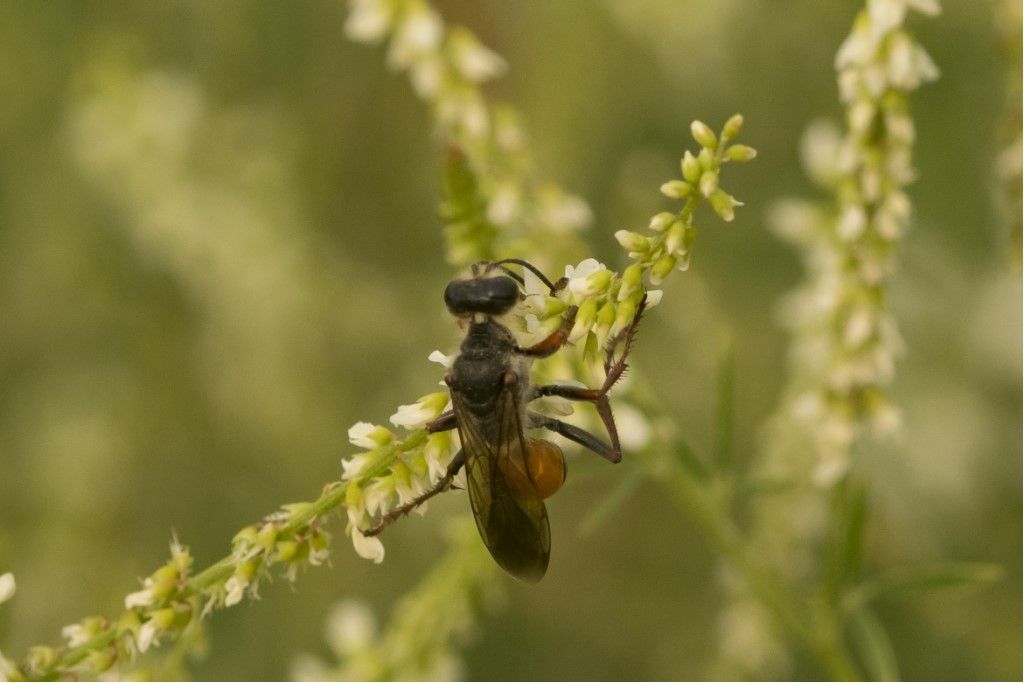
(488, 295)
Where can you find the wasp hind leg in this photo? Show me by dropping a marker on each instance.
(442, 485)
(581, 436)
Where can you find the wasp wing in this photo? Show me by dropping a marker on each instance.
(512, 520)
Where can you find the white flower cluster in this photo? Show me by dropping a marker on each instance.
(845, 338)
(447, 67)
(391, 472)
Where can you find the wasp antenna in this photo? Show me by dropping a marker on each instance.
(532, 268)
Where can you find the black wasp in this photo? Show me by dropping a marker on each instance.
(508, 473)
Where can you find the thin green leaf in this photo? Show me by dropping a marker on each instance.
(846, 539)
(926, 578)
(872, 643)
(612, 502)
(693, 463)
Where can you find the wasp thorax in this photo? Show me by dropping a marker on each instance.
(544, 471)
(488, 295)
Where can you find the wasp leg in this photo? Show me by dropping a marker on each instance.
(443, 423)
(613, 367)
(580, 436)
(554, 341)
(442, 485)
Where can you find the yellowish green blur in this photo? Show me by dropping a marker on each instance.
(219, 248)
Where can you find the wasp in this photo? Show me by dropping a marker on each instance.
(508, 473)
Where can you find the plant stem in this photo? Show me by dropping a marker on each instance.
(815, 631)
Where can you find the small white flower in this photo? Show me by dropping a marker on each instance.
(416, 415)
(76, 634)
(562, 212)
(419, 34)
(318, 557)
(929, 7)
(359, 435)
(586, 279)
(235, 589)
(350, 627)
(368, 20)
(653, 298)
(148, 635)
(438, 452)
(505, 204)
(369, 548)
(426, 75)
(142, 598)
(858, 328)
(438, 357)
(472, 59)
(851, 223)
(412, 416)
(352, 468)
(886, 14)
(378, 494)
(7, 587)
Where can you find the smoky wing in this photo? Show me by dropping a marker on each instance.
(513, 525)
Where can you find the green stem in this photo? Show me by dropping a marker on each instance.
(815, 632)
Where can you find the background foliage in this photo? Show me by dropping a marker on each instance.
(163, 369)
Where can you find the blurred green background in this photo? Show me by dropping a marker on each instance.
(219, 248)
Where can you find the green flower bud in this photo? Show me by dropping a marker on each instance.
(182, 615)
(287, 550)
(354, 496)
(707, 160)
(632, 279)
(624, 314)
(599, 281)
(40, 658)
(318, 541)
(266, 536)
(708, 183)
(585, 317)
(246, 536)
(732, 127)
(632, 241)
(547, 307)
(676, 189)
(661, 268)
(674, 237)
(691, 167)
(704, 136)
(741, 153)
(168, 572)
(606, 316)
(723, 204)
(128, 622)
(101, 660)
(662, 221)
(162, 618)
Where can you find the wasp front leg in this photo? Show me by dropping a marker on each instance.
(554, 341)
(442, 485)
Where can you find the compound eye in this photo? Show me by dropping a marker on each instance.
(491, 296)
